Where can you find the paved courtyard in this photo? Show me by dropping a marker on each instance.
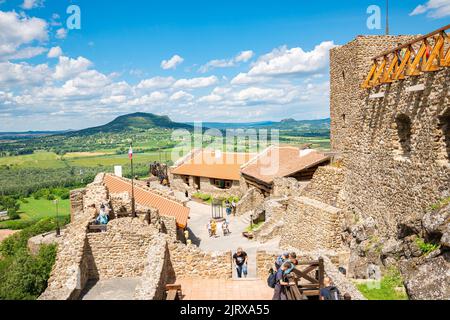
(215, 289)
(112, 289)
(200, 214)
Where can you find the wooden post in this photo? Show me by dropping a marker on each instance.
(321, 273)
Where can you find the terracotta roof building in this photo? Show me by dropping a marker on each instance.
(282, 162)
(143, 196)
(209, 171)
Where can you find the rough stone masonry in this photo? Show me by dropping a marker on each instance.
(395, 152)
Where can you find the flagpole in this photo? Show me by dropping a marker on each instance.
(133, 204)
(387, 17)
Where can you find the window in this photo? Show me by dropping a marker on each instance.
(186, 179)
(404, 134)
(344, 119)
(222, 184)
(444, 124)
(343, 74)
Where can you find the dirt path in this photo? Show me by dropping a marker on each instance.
(6, 233)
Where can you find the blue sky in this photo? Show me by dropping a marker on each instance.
(228, 61)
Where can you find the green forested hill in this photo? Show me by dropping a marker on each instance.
(135, 121)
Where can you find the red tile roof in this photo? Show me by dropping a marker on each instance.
(166, 207)
(282, 162)
(212, 164)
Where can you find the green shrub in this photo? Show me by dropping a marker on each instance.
(24, 276)
(202, 196)
(387, 289)
(426, 248)
(13, 215)
(18, 241)
(441, 204)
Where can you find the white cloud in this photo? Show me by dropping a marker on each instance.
(23, 74)
(434, 9)
(156, 83)
(17, 31)
(194, 83)
(30, 4)
(27, 53)
(172, 63)
(181, 95)
(61, 33)
(243, 56)
(55, 52)
(68, 67)
(283, 61)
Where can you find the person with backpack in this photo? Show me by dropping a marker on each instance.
(281, 259)
(330, 291)
(278, 282)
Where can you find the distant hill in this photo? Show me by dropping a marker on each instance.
(130, 122)
(283, 124)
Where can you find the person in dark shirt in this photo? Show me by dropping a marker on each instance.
(329, 292)
(241, 260)
(281, 282)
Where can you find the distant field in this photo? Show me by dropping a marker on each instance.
(36, 210)
(111, 160)
(47, 160)
(42, 208)
(85, 154)
(42, 160)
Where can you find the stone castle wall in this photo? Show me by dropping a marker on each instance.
(311, 225)
(121, 250)
(191, 262)
(250, 201)
(381, 182)
(326, 185)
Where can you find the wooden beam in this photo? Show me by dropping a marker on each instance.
(418, 39)
(413, 69)
(430, 66)
(366, 83)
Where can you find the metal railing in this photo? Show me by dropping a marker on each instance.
(427, 53)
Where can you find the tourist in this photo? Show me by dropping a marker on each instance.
(102, 217)
(241, 260)
(401, 54)
(208, 226)
(293, 258)
(213, 228)
(281, 259)
(281, 282)
(225, 229)
(228, 208)
(329, 291)
(233, 206)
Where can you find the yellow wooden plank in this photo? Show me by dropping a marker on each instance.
(400, 74)
(413, 68)
(366, 83)
(429, 66)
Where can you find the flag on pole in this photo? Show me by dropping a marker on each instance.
(130, 153)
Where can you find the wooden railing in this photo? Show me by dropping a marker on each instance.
(428, 53)
(306, 280)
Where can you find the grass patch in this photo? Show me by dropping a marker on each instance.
(203, 196)
(426, 248)
(256, 226)
(441, 204)
(32, 210)
(386, 289)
